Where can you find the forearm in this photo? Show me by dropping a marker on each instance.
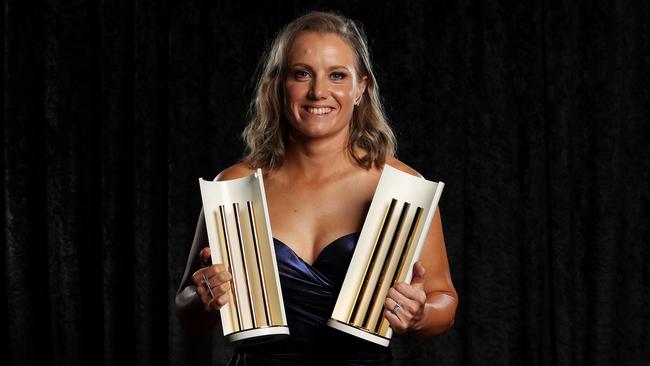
(439, 313)
(194, 319)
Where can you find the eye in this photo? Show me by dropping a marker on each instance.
(300, 74)
(338, 75)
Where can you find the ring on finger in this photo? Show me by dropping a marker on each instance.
(395, 309)
(207, 284)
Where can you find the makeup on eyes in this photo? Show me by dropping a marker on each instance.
(299, 68)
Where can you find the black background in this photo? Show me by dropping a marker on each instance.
(534, 113)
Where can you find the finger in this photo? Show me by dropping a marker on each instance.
(418, 275)
(401, 312)
(218, 278)
(399, 298)
(197, 277)
(209, 306)
(212, 287)
(211, 271)
(389, 305)
(208, 287)
(224, 288)
(395, 323)
(221, 301)
(204, 296)
(208, 298)
(216, 303)
(205, 256)
(407, 304)
(411, 292)
(215, 268)
(221, 289)
(224, 276)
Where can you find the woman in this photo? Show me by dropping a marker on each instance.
(318, 132)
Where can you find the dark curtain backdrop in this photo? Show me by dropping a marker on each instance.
(534, 113)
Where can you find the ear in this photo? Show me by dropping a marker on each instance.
(361, 88)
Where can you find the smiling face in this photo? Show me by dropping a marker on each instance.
(321, 85)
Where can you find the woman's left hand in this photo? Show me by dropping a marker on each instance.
(404, 305)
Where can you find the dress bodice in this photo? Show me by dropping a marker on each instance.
(310, 292)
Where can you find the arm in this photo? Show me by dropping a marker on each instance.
(190, 310)
(442, 299)
(428, 303)
(196, 310)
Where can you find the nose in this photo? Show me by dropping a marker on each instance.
(319, 89)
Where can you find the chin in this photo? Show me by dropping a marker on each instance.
(314, 134)
(316, 127)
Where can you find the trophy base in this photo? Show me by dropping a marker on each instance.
(358, 332)
(258, 335)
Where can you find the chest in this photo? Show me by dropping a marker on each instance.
(308, 217)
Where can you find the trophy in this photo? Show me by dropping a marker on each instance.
(239, 232)
(389, 244)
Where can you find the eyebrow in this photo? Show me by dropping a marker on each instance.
(309, 67)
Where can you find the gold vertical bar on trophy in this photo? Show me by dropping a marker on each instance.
(383, 324)
(265, 298)
(359, 310)
(233, 288)
(379, 291)
(244, 262)
(382, 232)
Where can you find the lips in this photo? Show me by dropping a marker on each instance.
(318, 111)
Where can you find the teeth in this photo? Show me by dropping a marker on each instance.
(319, 110)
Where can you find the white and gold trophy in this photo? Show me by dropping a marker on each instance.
(239, 232)
(389, 244)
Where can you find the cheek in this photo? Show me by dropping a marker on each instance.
(293, 93)
(344, 93)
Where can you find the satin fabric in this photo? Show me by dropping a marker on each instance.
(310, 293)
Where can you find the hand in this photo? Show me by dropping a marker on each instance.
(218, 280)
(411, 299)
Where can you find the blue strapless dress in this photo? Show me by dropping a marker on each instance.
(310, 293)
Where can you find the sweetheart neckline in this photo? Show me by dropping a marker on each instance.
(318, 257)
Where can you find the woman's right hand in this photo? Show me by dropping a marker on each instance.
(218, 278)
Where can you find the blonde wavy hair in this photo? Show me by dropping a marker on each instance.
(266, 132)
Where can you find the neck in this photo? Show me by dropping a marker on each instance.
(317, 159)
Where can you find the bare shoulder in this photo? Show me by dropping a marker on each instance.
(238, 170)
(397, 164)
